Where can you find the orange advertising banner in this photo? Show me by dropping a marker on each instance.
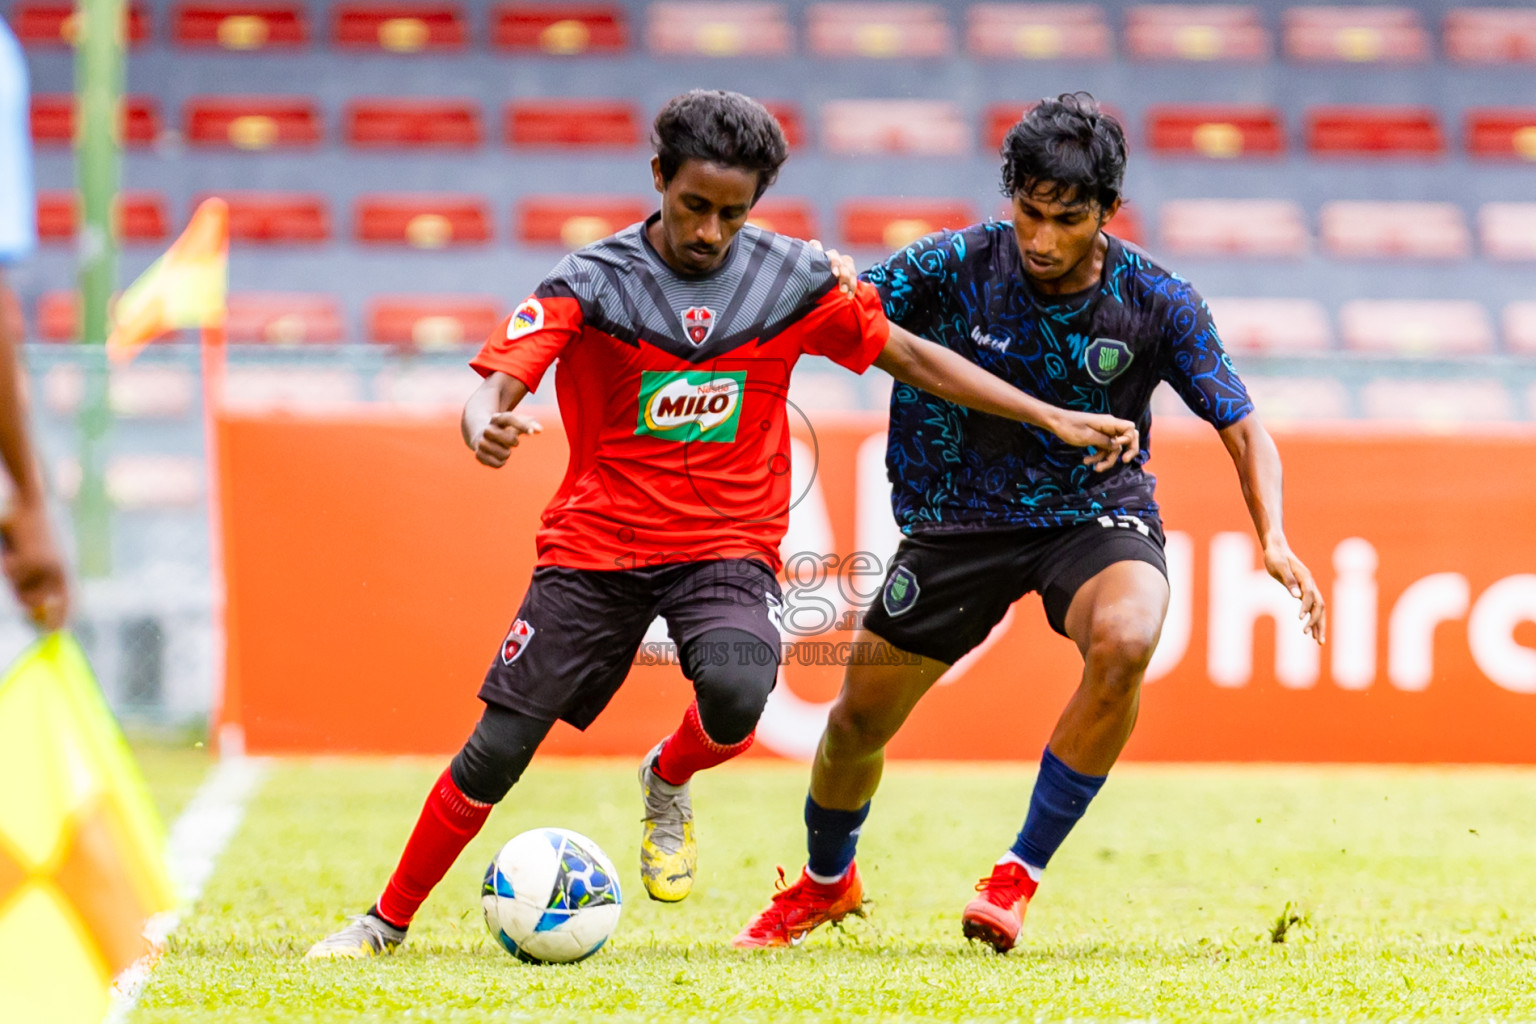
(373, 568)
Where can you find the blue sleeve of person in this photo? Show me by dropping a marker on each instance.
(1197, 366)
(18, 206)
(914, 282)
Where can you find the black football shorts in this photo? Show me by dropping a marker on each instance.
(944, 592)
(577, 631)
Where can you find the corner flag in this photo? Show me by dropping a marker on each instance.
(81, 847)
(184, 288)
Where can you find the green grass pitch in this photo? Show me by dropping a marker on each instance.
(1405, 894)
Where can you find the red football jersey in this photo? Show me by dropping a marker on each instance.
(672, 390)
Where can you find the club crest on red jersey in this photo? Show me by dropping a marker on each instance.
(698, 321)
(517, 642)
(525, 319)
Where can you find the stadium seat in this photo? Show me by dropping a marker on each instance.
(251, 122)
(133, 392)
(141, 216)
(1278, 326)
(918, 127)
(576, 124)
(790, 119)
(1437, 402)
(719, 29)
(1374, 131)
(998, 118)
(560, 28)
(284, 318)
(575, 221)
(422, 221)
(1215, 131)
(894, 223)
(398, 27)
(1356, 33)
(1502, 133)
(1234, 227)
(141, 481)
(277, 217)
(1520, 330)
(1394, 230)
(47, 23)
(412, 124)
(1416, 327)
(432, 321)
(422, 387)
(1196, 32)
(241, 26)
(53, 120)
(1508, 230)
(58, 316)
(792, 217)
(1490, 35)
(878, 30)
(289, 389)
(1038, 31)
(1298, 399)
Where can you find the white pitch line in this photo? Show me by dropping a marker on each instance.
(199, 835)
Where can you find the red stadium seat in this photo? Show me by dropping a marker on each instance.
(921, 127)
(719, 29)
(277, 217)
(412, 124)
(252, 122)
(398, 27)
(284, 318)
(998, 118)
(1374, 131)
(53, 120)
(141, 216)
(1271, 325)
(1395, 230)
(1125, 225)
(423, 221)
(432, 321)
(792, 217)
(790, 119)
(1490, 35)
(58, 316)
(1196, 32)
(1520, 330)
(1234, 227)
(241, 26)
(1508, 230)
(576, 124)
(1437, 402)
(896, 223)
(575, 221)
(1356, 33)
(1038, 31)
(1502, 133)
(45, 23)
(1416, 326)
(879, 30)
(560, 28)
(1214, 131)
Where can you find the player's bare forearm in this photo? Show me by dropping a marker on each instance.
(15, 442)
(489, 426)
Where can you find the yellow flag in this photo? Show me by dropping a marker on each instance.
(81, 848)
(184, 288)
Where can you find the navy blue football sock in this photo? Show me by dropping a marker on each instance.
(1060, 798)
(831, 837)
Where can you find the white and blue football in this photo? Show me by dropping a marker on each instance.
(551, 896)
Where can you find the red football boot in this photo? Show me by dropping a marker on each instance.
(799, 908)
(996, 916)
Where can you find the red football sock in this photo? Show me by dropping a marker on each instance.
(691, 750)
(449, 820)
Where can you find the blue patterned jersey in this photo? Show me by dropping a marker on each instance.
(1102, 350)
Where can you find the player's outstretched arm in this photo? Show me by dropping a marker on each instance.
(937, 370)
(489, 426)
(1257, 460)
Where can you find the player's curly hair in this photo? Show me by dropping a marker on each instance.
(721, 127)
(1069, 147)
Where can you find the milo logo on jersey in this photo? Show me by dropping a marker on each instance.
(690, 405)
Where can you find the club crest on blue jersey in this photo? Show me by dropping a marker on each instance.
(1106, 358)
(698, 321)
(900, 592)
(516, 642)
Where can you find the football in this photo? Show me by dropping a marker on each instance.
(551, 896)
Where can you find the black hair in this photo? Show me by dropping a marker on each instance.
(1068, 147)
(723, 128)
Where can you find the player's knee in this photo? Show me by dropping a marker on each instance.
(857, 730)
(496, 753)
(733, 690)
(1121, 646)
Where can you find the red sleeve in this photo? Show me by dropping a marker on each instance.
(850, 332)
(526, 343)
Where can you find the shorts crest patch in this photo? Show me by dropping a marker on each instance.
(516, 642)
(900, 592)
(526, 319)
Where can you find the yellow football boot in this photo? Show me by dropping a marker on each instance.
(668, 853)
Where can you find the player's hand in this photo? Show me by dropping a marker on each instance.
(33, 565)
(1110, 439)
(495, 441)
(1297, 579)
(842, 268)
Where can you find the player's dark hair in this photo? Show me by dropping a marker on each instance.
(1068, 148)
(723, 128)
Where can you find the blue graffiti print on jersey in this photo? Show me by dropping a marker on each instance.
(1103, 350)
